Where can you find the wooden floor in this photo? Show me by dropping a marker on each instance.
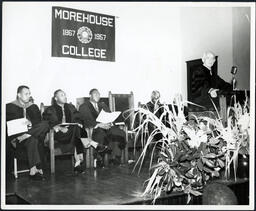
(102, 186)
(113, 185)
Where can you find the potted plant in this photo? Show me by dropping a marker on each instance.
(190, 152)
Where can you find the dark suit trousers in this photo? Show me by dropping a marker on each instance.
(39, 131)
(114, 138)
(67, 141)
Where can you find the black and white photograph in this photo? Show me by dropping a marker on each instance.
(110, 105)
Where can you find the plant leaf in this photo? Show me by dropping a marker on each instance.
(210, 155)
(195, 192)
(221, 163)
(207, 170)
(215, 174)
(209, 163)
(200, 165)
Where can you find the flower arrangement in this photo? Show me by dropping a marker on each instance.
(189, 153)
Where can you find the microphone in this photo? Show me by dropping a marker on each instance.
(233, 72)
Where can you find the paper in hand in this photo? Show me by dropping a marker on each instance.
(17, 126)
(107, 117)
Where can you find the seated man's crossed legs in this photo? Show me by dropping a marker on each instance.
(114, 138)
(39, 131)
(74, 139)
(33, 141)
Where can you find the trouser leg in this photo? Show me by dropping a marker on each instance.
(116, 151)
(39, 131)
(117, 137)
(71, 141)
(100, 136)
(77, 140)
(31, 145)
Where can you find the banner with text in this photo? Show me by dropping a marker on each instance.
(83, 35)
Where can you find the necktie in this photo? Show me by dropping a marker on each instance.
(96, 107)
(63, 115)
(24, 112)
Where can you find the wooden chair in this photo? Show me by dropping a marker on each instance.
(123, 102)
(14, 153)
(89, 152)
(15, 168)
(49, 140)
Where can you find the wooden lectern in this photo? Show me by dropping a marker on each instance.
(227, 99)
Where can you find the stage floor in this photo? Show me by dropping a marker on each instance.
(112, 185)
(102, 186)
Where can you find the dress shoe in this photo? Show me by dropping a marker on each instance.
(37, 177)
(79, 169)
(100, 164)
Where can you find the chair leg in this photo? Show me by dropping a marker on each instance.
(87, 157)
(126, 154)
(15, 168)
(125, 151)
(122, 156)
(52, 161)
(106, 159)
(91, 157)
(52, 152)
(136, 155)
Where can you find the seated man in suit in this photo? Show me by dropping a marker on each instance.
(106, 134)
(33, 139)
(206, 83)
(70, 136)
(154, 104)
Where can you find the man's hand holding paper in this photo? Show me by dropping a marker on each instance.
(106, 119)
(105, 126)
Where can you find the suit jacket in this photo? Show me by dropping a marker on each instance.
(89, 114)
(150, 106)
(53, 114)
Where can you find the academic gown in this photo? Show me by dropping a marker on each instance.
(202, 82)
(66, 141)
(35, 152)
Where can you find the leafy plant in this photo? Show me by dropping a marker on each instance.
(184, 155)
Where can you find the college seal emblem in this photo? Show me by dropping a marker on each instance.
(84, 34)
